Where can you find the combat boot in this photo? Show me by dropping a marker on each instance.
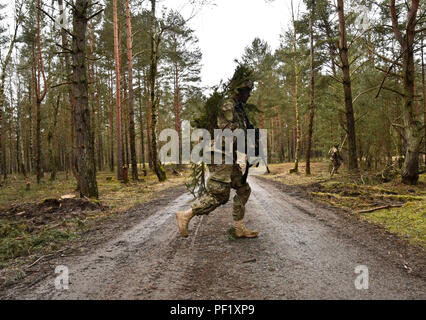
(242, 232)
(183, 218)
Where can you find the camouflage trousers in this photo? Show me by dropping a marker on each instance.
(222, 178)
(336, 164)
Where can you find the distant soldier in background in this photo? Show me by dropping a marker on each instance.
(336, 159)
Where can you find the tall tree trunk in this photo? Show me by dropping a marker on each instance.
(100, 131)
(71, 153)
(347, 88)
(148, 123)
(424, 98)
(289, 151)
(38, 63)
(50, 135)
(3, 168)
(412, 126)
(281, 136)
(19, 134)
(155, 42)
(111, 127)
(141, 127)
(2, 133)
(177, 109)
(296, 95)
(132, 133)
(117, 93)
(312, 92)
(31, 121)
(38, 141)
(84, 143)
(5, 63)
(92, 80)
(125, 117)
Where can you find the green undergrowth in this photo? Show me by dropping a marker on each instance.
(407, 221)
(21, 238)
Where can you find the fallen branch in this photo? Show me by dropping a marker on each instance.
(45, 256)
(379, 208)
(35, 262)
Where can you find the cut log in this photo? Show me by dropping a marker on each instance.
(68, 196)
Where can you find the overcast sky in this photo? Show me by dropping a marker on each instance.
(226, 28)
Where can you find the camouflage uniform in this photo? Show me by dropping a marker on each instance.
(336, 159)
(223, 177)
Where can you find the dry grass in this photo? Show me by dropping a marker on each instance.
(112, 192)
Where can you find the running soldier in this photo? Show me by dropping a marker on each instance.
(336, 159)
(223, 177)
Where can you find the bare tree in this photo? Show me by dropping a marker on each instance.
(39, 94)
(67, 79)
(312, 91)
(296, 94)
(4, 65)
(132, 133)
(117, 94)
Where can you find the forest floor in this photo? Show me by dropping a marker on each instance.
(38, 223)
(308, 248)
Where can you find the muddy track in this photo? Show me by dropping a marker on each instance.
(304, 251)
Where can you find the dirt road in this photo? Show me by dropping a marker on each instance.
(304, 251)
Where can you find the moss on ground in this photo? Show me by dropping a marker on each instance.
(407, 221)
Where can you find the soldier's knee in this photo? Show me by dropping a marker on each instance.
(223, 197)
(219, 190)
(248, 192)
(244, 192)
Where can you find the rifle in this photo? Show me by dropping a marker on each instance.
(341, 147)
(344, 140)
(258, 144)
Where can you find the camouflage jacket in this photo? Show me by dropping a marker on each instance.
(227, 119)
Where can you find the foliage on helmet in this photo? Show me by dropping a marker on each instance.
(210, 112)
(243, 77)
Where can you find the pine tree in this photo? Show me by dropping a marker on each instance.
(85, 156)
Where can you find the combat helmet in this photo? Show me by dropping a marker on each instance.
(243, 78)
